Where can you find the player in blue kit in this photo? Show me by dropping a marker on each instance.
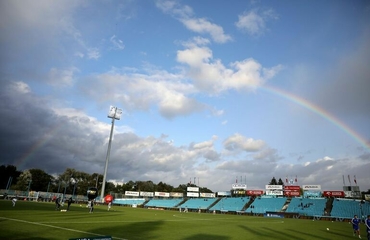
(356, 226)
(367, 223)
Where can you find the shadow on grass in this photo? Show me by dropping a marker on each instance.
(284, 235)
(257, 232)
(206, 237)
(151, 230)
(137, 230)
(335, 235)
(272, 233)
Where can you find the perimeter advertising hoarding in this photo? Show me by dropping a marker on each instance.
(294, 188)
(192, 194)
(273, 215)
(333, 193)
(161, 194)
(207, 195)
(130, 193)
(311, 187)
(276, 193)
(274, 187)
(146, 194)
(292, 193)
(348, 194)
(176, 194)
(239, 186)
(238, 192)
(223, 193)
(192, 189)
(367, 197)
(254, 192)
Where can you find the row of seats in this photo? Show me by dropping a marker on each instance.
(129, 201)
(164, 203)
(230, 204)
(307, 206)
(303, 206)
(198, 203)
(349, 208)
(263, 205)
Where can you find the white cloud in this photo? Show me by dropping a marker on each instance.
(117, 43)
(254, 22)
(93, 53)
(210, 75)
(21, 87)
(201, 25)
(201, 145)
(62, 78)
(73, 135)
(239, 142)
(141, 91)
(184, 14)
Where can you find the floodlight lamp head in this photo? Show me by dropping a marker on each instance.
(115, 113)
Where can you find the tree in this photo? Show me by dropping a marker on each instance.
(40, 180)
(24, 180)
(109, 187)
(7, 173)
(182, 188)
(205, 190)
(163, 187)
(273, 181)
(280, 182)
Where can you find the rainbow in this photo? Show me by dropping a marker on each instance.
(274, 90)
(320, 111)
(20, 162)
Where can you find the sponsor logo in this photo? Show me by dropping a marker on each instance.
(239, 186)
(292, 188)
(279, 187)
(254, 192)
(311, 187)
(334, 193)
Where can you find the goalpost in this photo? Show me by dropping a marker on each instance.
(33, 196)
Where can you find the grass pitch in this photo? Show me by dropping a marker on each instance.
(39, 220)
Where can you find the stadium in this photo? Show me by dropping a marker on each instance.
(270, 213)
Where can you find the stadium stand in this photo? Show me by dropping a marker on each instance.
(129, 201)
(164, 203)
(307, 206)
(263, 205)
(230, 204)
(345, 208)
(366, 208)
(198, 203)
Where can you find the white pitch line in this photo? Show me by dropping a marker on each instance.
(62, 228)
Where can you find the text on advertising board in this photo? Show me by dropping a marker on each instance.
(311, 187)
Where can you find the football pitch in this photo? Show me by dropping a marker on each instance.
(40, 220)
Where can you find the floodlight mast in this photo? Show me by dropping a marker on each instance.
(115, 114)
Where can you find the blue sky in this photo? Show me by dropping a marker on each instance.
(215, 90)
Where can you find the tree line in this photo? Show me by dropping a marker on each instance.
(76, 182)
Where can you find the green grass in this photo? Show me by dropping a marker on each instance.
(39, 220)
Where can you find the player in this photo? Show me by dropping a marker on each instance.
(69, 202)
(356, 226)
(14, 200)
(57, 203)
(91, 206)
(367, 223)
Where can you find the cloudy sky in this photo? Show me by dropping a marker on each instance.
(212, 90)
